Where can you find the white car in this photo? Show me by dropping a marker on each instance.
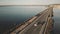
(35, 24)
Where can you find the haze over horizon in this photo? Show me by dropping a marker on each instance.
(29, 2)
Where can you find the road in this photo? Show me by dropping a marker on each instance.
(34, 30)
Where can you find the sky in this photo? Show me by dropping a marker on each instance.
(28, 2)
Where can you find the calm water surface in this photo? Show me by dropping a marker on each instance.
(13, 15)
(57, 21)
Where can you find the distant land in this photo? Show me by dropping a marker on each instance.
(20, 5)
(28, 5)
